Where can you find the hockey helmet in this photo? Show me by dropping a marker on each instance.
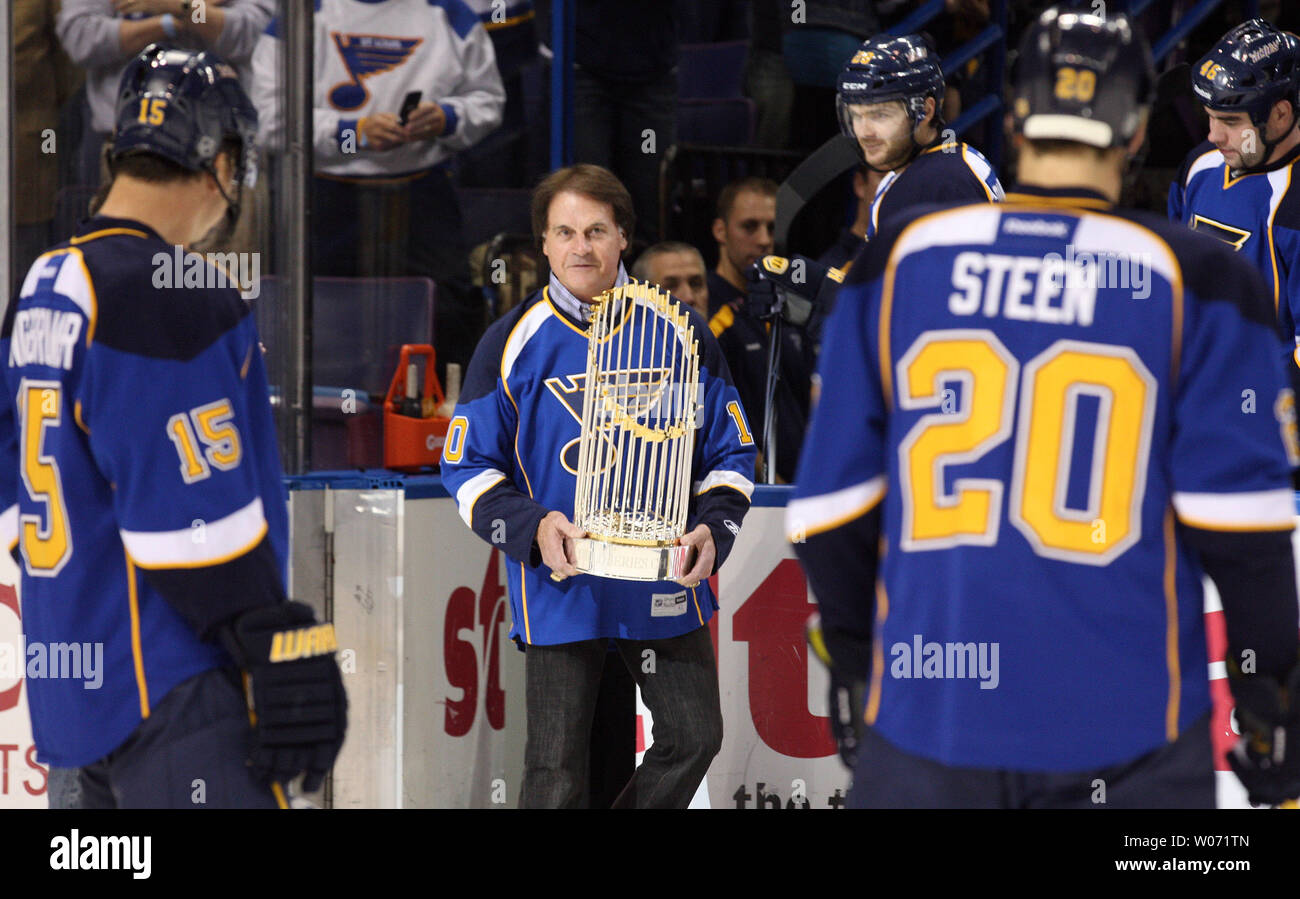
(889, 68)
(1082, 77)
(181, 105)
(1249, 70)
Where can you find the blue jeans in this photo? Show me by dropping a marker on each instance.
(678, 678)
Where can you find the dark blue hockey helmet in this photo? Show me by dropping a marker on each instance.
(1249, 70)
(182, 105)
(889, 68)
(1082, 77)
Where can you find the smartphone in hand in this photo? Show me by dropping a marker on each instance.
(408, 106)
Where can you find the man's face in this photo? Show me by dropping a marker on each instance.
(682, 274)
(884, 132)
(1236, 138)
(582, 244)
(748, 232)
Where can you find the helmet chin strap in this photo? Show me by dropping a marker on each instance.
(1269, 145)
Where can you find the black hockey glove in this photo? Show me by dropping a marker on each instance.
(847, 691)
(1267, 757)
(296, 700)
(791, 288)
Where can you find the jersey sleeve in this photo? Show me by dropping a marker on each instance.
(1286, 252)
(1234, 447)
(479, 100)
(478, 462)
(173, 434)
(1234, 443)
(725, 454)
(843, 470)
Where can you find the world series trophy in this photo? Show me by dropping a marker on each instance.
(639, 408)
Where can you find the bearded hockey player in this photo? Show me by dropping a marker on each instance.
(1238, 186)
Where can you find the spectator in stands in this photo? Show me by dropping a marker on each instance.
(625, 94)
(743, 229)
(382, 198)
(101, 36)
(506, 158)
(44, 79)
(679, 269)
(744, 232)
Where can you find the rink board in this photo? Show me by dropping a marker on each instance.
(436, 687)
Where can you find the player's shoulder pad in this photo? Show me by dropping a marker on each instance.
(1288, 209)
(485, 365)
(1184, 171)
(461, 17)
(142, 305)
(871, 260)
(943, 173)
(1211, 270)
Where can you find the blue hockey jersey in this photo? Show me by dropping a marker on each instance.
(146, 498)
(1034, 398)
(945, 173)
(1257, 214)
(512, 454)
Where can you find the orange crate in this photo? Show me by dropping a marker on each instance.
(411, 443)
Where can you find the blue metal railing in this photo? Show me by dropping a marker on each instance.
(1169, 41)
(992, 43)
(562, 15)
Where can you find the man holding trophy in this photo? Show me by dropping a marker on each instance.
(600, 444)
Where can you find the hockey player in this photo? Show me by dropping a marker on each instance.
(1033, 445)
(888, 101)
(146, 504)
(510, 461)
(1238, 187)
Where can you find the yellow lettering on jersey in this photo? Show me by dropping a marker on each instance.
(1284, 412)
(966, 430)
(45, 549)
(454, 449)
(984, 367)
(181, 433)
(742, 428)
(1051, 396)
(219, 433)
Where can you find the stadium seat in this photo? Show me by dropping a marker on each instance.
(711, 71)
(725, 122)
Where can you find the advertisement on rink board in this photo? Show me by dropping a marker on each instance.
(23, 780)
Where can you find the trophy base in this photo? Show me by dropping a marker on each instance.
(632, 563)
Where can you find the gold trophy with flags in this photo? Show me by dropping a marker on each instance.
(639, 414)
